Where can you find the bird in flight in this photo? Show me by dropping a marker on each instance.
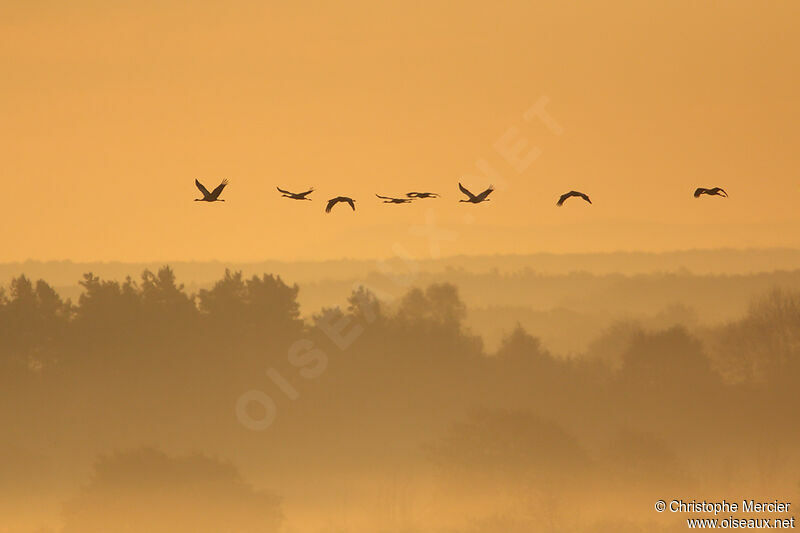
(422, 195)
(296, 195)
(333, 201)
(570, 194)
(212, 196)
(391, 200)
(716, 191)
(476, 199)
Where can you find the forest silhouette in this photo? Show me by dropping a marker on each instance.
(121, 407)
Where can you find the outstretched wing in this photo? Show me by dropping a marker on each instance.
(487, 192)
(283, 191)
(720, 189)
(384, 197)
(216, 192)
(332, 202)
(465, 191)
(698, 191)
(563, 198)
(202, 188)
(585, 197)
(304, 194)
(350, 201)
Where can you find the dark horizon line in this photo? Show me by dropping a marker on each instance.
(676, 251)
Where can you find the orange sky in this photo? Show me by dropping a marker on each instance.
(111, 109)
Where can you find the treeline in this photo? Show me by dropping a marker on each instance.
(371, 386)
(39, 328)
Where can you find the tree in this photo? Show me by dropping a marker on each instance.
(34, 318)
(521, 345)
(439, 303)
(670, 360)
(109, 312)
(264, 302)
(510, 444)
(161, 295)
(364, 306)
(271, 300)
(147, 490)
(226, 298)
(764, 346)
(106, 300)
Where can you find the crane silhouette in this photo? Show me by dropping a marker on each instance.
(422, 195)
(333, 201)
(716, 191)
(212, 196)
(391, 200)
(570, 194)
(476, 199)
(296, 195)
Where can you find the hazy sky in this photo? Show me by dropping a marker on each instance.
(111, 109)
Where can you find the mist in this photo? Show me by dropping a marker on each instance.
(141, 405)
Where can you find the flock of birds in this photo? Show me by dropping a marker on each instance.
(213, 196)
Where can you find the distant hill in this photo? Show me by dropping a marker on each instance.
(720, 261)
